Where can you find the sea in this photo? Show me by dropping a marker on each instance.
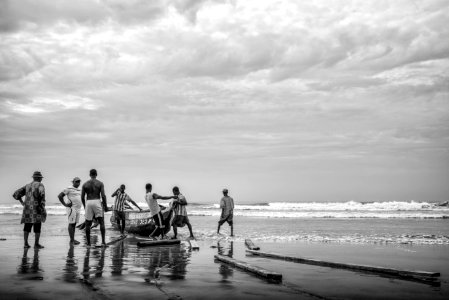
(395, 222)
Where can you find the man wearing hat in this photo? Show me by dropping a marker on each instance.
(73, 206)
(227, 211)
(34, 213)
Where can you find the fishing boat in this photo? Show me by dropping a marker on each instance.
(140, 222)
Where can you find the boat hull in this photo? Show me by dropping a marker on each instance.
(141, 222)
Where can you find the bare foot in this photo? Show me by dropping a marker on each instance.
(26, 246)
(38, 246)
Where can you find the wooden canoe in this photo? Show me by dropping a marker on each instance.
(140, 222)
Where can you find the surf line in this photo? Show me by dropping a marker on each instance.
(389, 271)
(269, 275)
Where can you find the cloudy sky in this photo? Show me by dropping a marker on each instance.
(276, 100)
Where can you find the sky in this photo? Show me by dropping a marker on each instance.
(274, 100)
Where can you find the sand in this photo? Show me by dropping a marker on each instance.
(176, 272)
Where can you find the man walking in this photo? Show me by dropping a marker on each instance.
(227, 211)
(73, 194)
(155, 210)
(180, 218)
(95, 204)
(119, 206)
(34, 213)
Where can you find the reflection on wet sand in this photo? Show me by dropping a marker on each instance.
(97, 254)
(169, 261)
(30, 269)
(227, 249)
(71, 266)
(118, 254)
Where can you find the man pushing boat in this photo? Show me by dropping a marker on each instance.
(155, 210)
(119, 207)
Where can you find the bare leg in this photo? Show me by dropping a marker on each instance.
(122, 227)
(25, 238)
(37, 235)
(102, 230)
(218, 230)
(88, 224)
(71, 229)
(232, 230)
(190, 229)
(175, 230)
(154, 231)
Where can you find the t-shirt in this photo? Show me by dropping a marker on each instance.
(152, 204)
(74, 196)
(120, 200)
(227, 204)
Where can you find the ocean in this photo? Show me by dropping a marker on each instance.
(420, 223)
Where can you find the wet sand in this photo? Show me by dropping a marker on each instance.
(177, 272)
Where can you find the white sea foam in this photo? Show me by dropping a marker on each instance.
(351, 209)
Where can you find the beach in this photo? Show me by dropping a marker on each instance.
(177, 272)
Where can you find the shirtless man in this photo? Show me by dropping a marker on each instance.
(94, 202)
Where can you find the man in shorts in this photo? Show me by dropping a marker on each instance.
(95, 204)
(119, 206)
(73, 206)
(178, 205)
(34, 213)
(227, 211)
(155, 210)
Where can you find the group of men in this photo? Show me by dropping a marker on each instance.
(93, 198)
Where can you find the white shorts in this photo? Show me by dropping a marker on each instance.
(93, 209)
(73, 215)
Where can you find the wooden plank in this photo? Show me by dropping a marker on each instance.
(272, 276)
(251, 245)
(194, 245)
(158, 243)
(120, 238)
(389, 271)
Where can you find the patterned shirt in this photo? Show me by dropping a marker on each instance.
(34, 204)
(120, 200)
(178, 208)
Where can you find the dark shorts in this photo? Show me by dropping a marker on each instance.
(119, 215)
(226, 218)
(37, 227)
(159, 220)
(180, 221)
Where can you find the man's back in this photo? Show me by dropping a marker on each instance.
(93, 189)
(227, 204)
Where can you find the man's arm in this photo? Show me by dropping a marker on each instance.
(83, 195)
(103, 197)
(61, 199)
(156, 196)
(114, 193)
(182, 200)
(132, 201)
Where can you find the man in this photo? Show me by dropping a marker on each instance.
(34, 213)
(95, 204)
(119, 206)
(155, 211)
(73, 194)
(227, 211)
(178, 205)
